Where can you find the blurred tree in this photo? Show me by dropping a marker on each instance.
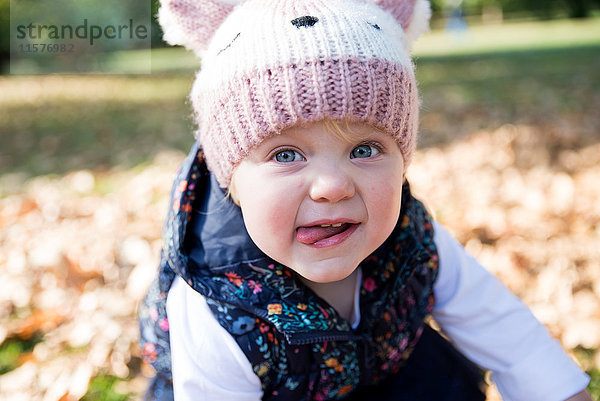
(543, 9)
(579, 8)
(156, 31)
(4, 32)
(78, 8)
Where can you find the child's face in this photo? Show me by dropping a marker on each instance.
(293, 183)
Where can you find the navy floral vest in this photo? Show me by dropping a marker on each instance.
(297, 344)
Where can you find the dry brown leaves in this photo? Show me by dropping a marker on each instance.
(77, 252)
(74, 263)
(531, 215)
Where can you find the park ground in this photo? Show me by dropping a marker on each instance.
(508, 160)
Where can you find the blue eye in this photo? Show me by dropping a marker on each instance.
(287, 156)
(363, 152)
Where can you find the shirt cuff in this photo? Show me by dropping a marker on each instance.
(550, 365)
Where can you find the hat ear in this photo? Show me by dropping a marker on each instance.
(413, 15)
(192, 23)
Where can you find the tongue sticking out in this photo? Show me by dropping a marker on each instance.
(310, 235)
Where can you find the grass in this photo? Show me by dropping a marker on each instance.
(485, 91)
(586, 356)
(509, 37)
(13, 349)
(102, 388)
(55, 124)
(100, 122)
(73, 122)
(594, 386)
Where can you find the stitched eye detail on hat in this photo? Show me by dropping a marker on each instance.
(374, 26)
(305, 21)
(229, 45)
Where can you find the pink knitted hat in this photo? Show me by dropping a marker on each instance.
(270, 64)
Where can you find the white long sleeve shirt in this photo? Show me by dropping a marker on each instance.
(485, 321)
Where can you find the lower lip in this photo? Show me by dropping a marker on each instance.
(336, 239)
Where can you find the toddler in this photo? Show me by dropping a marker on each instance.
(296, 263)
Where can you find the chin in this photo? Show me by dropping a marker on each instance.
(324, 273)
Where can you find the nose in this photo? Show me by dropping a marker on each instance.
(331, 184)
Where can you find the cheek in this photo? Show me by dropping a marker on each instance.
(385, 188)
(269, 219)
(385, 203)
(387, 194)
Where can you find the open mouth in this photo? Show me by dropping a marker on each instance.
(325, 235)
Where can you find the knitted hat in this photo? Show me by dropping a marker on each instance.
(270, 64)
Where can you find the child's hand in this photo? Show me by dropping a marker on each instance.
(582, 396)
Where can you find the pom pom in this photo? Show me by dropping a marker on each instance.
(191, 23)
(412, 15)
(173, 32)
(419, 23)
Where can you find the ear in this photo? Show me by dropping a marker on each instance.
(413, 15)
(192, 23)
